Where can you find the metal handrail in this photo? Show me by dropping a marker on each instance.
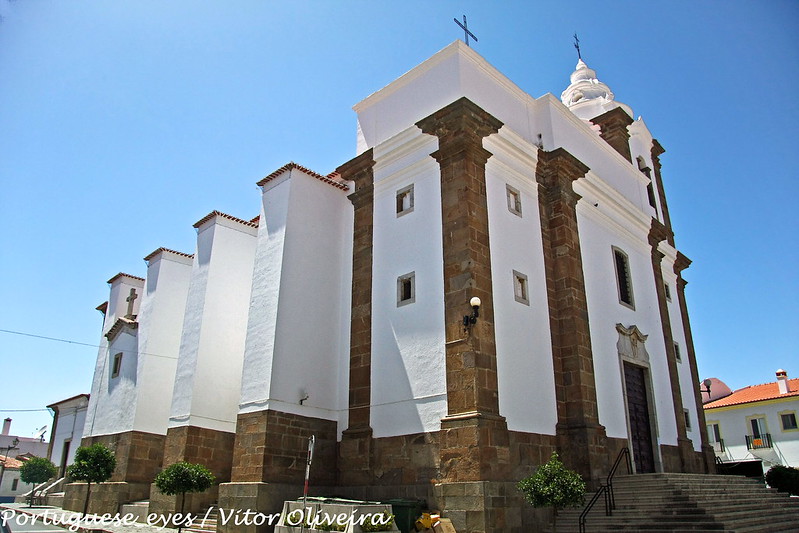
(607, 488)
(603, 489)
(624, 453)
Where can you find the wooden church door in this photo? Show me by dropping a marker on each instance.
(638, 413)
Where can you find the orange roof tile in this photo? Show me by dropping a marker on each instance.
(10, 463)
(329, 179)
(162, 249)
(756, 393)
(215, 213)
(122, 274)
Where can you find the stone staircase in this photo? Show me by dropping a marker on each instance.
(203, 524)
(689, 502)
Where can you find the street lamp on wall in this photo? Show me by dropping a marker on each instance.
(471, 320)
(707, 383)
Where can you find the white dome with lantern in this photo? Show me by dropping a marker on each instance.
(587, 97)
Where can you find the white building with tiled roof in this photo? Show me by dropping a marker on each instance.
(757, 422)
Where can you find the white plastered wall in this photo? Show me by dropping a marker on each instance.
(408, 355)
(68, 427)
(525, 369)
(113, 400)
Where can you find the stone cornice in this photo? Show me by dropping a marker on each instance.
(459, 125)
(658, 232)
(613, 129)
(360, 170)
(558, 169)
(681, 263)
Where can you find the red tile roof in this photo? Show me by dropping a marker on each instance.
(756, 393)
(162, 249)
(10, 462)
(329, 179)
(213, 214)
(122, 274)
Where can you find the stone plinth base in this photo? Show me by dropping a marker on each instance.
(483, 506)
(265, 498)
(105, 497)
(196, 503)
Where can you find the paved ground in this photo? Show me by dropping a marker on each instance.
(42, 519)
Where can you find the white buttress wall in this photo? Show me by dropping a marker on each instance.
(298, 336)
(160, 324)
(208, 377)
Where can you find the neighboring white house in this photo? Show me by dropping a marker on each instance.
(11, 485)
(757, 422)
(69, 417)
(14, 445)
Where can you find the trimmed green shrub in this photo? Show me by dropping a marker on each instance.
(183, 477)
(554, 485)
(36, 470)
(784, 479)
(93, 464)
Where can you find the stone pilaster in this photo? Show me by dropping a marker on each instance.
(355, 452)
(613, 128)
(582, 441)
(708, 456)
(474, 438)
(269, 458)
(473, 419)
(658, 233)
(210, 448)
(657, 151)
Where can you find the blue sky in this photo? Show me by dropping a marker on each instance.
(124, 122)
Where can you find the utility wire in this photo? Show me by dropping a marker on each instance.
(55, 339)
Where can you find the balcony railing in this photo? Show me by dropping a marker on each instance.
(718, 446)
(757, 442)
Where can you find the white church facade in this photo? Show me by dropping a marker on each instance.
(343, 311)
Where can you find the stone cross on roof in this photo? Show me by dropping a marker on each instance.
(131, 299)
(465, 29)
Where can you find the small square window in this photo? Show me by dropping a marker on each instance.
(405, 200)
(520, 288)
(117, 365)
(623, 278)
(667, 290)
(406, 289)
(687, 419)
(788, 421)
(514, 200)
(677, 354)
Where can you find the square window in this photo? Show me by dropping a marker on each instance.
(405, 200)
(406, 289)
(514, 200)
(520, 289)
(117, 365)
(667, 290)
(677, 354)
(624, 281)
(788, 421)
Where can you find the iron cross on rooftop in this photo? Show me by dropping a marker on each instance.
(465, 29)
